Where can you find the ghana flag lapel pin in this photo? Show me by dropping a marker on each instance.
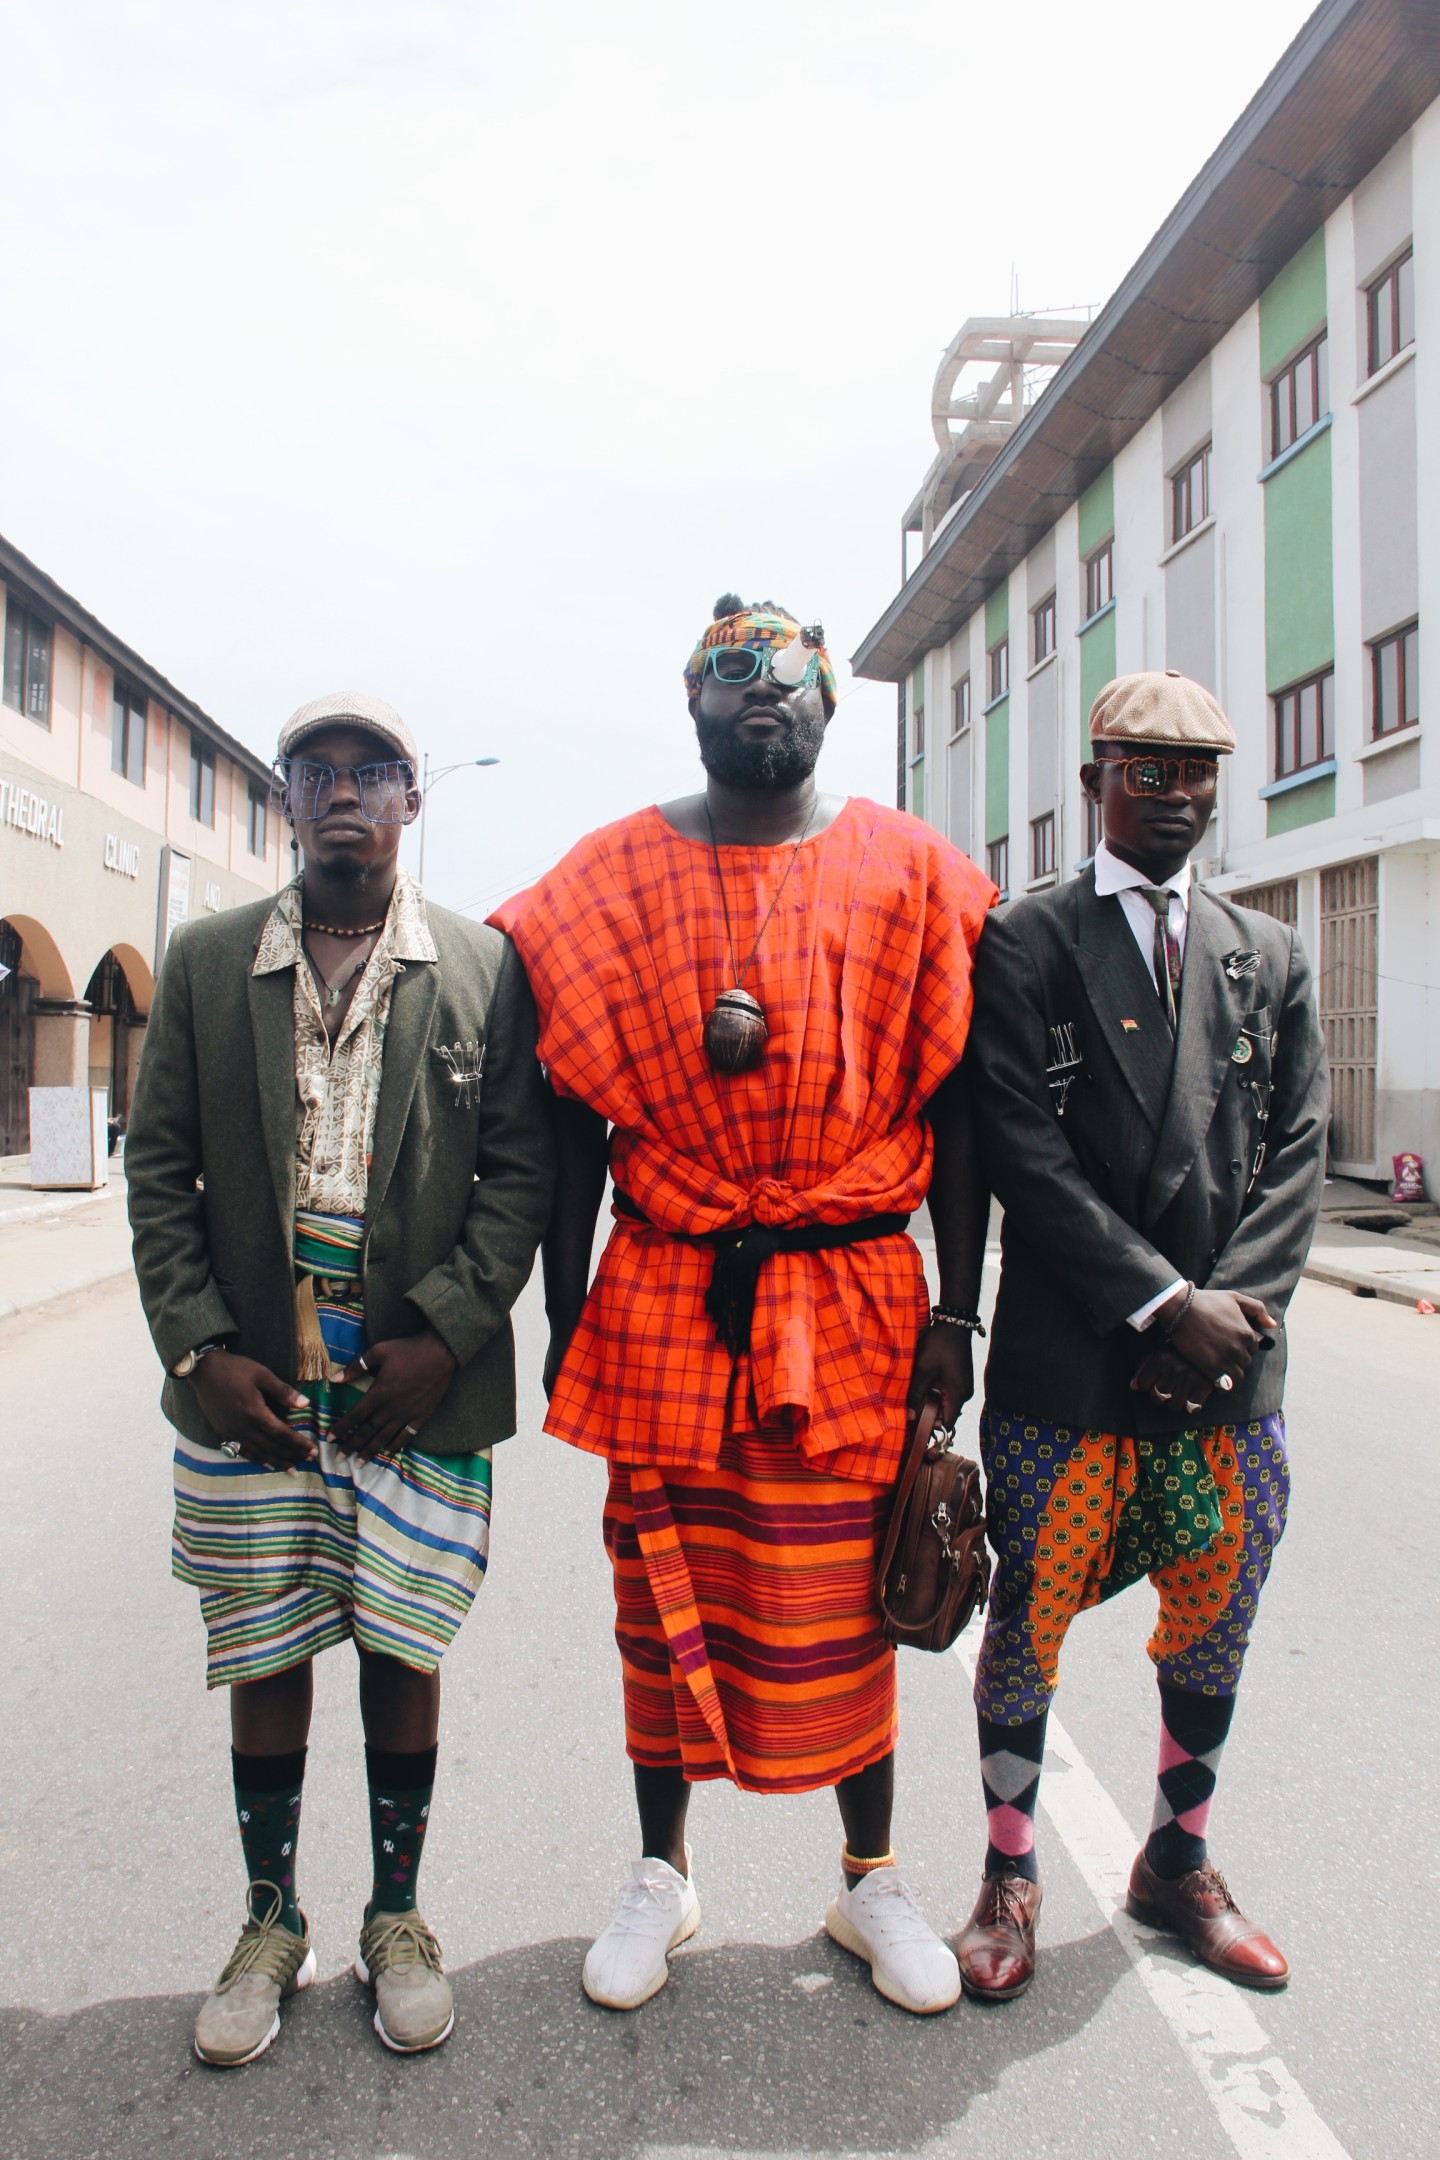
(1131, 1027)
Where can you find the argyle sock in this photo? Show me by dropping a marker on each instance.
(267, 1803)
(1192, 1735)
(400, 1789)
(1010, 1759)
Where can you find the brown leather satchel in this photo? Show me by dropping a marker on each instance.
(934, 1570)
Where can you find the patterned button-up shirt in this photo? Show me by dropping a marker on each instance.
(337, 1086)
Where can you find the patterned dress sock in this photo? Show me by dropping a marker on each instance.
(400, 1789)
(1010, 1759)
(1192, 1736)
(267, 1802)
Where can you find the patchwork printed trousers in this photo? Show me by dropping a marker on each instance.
(1054, 1510)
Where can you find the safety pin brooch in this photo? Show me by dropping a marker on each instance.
(465, 1063)
(1065, 1063)
(1240, 965)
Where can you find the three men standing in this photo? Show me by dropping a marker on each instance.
(753, 1004)
(1151, 1090)
(340, 1164)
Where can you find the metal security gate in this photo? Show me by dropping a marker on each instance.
(1282, 900)
(17, 996)
(1349, 983)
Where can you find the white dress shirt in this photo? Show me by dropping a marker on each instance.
(1125, 882)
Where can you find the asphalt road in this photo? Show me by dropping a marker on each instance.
(120, 1881)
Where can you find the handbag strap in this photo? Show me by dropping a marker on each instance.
(910, 1467)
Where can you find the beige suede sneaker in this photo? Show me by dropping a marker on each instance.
(242, 2016)
(400, 1958)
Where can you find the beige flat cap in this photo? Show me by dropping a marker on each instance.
(1156, 708)
(350, 708)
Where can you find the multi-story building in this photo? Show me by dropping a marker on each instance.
(1236, 473)
(123, 809)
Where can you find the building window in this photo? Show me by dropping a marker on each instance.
(1042, 635)
(1390, 311)
(960, 706)
(917, 734)
(1099, 579)
(997, 862)
(1300, 396)
(255, 832)
(127, 733)
(1305, 725)
(1395, 682)
(202, 782)
(998, 659)
(1094, 828)
(1190, 495)
(27, 662)
(1042, 845)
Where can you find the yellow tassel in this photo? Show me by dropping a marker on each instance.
(312, 1358)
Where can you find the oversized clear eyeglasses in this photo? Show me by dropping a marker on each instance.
(1157, 775)
(303, 790)
(742, 663)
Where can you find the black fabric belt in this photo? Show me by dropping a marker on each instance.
(742, 1250)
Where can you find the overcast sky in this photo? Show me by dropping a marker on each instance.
(464, 352)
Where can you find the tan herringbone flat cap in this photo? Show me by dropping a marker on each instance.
(350, 708)
(1156, 708)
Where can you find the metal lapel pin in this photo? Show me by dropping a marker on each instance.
(465, 1063)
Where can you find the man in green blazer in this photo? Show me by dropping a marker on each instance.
(340, 1164)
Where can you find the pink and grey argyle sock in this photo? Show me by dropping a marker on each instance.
(1192, 1739)
(1010, 1759)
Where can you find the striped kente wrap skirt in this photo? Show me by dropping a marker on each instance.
(749, 1636)
(391, 1553)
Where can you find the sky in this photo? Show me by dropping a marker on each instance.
(464, 352)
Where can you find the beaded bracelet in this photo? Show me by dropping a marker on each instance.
(1166, 1333)
(954, 1317)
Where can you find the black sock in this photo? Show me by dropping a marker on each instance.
(1192, 1735)
(1010, 1759)
(267, 1802)
(400, 1789)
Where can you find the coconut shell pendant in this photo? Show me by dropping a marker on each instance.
(735, 1032)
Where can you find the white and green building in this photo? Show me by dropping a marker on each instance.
(1236, 472)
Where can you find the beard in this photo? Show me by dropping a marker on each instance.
(784, 762)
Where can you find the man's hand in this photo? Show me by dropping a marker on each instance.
(408, 1379)
(944, 1359)
(1220, 1334)
(240, 1399)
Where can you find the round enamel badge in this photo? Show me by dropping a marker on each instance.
(1243, 1051)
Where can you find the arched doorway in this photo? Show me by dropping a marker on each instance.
(114, 994)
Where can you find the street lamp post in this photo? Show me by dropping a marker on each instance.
(429, 780)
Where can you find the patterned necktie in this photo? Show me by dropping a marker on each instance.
(1166, 953)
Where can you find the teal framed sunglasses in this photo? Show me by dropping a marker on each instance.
(742, 663)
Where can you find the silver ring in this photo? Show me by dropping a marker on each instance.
(231, 1448)
(1162, 1394)
(360, 1361)
(414, 1431)
(1224, 1382)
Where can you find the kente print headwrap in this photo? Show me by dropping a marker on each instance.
(759, 625)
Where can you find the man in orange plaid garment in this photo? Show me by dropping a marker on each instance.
(753, 1004)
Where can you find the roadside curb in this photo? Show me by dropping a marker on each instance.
(1393, 1288)
(54, 1292)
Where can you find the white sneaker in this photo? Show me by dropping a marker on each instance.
(658, 1909)
(880, 1920)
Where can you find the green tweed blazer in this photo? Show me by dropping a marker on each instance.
(458, 1197)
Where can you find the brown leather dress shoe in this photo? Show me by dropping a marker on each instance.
(1200, 1910)
(997, 1950)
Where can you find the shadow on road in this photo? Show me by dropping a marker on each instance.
(750, 2049)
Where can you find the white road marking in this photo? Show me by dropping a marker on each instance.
(1264, 2112)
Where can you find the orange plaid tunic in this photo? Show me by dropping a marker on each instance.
(864, 974)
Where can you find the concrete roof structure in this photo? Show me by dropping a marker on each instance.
(1357, 76)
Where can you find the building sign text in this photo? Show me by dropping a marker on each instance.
(122, 855)
(31, 813)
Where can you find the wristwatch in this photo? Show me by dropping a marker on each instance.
(184, 1366)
